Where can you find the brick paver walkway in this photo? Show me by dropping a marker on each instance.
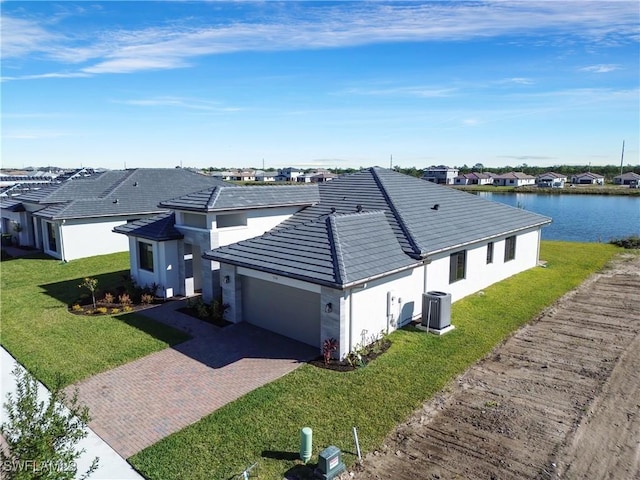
(137, 404)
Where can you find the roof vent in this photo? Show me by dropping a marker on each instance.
(116, 201)
(358, 208)
(435, 207)
(333, 210)
(135, 184)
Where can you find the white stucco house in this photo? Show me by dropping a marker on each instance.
(75, 219)
(473, 178)
(513, 179)
(440, 174)
(587, 178)
(344, 259)
(628, 178)
(551, 179)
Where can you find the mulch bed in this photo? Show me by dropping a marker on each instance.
(344, 366)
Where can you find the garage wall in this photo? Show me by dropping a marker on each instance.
(286, 310)
(89, 237)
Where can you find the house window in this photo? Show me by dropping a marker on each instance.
(509, 248)
(194, 220)
(231, 220)
(458, 266)
(145, 255)
(489, 253)
(52, 237)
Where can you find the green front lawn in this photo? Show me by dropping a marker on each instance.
(264, 425)
(40, 333)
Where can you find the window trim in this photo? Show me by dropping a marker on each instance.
(52, 237)
(456, 273)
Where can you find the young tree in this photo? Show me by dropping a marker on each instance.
(90, 284)
(42, 436)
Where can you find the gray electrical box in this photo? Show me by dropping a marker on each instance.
(436, 310)
(330, 463)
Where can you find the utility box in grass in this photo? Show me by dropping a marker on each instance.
(330, 463)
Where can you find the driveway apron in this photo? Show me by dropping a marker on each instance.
(135, 405)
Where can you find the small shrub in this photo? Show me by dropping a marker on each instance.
(115, 311)
(108, 298)
(146, 298)
(127, 308)
(76, 308)
(100, 310)
(124, 299)
(632, 241)
(329, 346)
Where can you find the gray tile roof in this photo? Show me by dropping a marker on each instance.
(11, 204)
(337, 251)
(159, 227)
(221, 198)
(117, 192)
(325, 231)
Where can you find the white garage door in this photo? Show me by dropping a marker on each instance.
(285, 310)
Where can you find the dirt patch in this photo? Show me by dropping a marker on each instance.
(559, 399)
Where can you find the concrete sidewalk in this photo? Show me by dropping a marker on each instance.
(111, 465)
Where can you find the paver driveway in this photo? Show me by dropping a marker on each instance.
(135, 405)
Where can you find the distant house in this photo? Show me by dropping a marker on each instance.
(629, 178)
(288, 174)
(551, 179)
(262, 176)
(514, 179)
(344, 259)
(75, 219)
(473, 178)
(440, 174)
(587, 178)
(322, 177)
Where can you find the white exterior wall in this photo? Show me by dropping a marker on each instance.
(259, 221)
(91, 236)
(479, 274)
(165, 266)
(367, 307)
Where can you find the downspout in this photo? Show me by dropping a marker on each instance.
(350, 319)
(62, 243)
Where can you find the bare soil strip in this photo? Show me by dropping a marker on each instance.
(559, 399)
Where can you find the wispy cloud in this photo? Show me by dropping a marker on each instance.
(180, 102)
(602, 68)
(409, 91)
(177, 44)
(526, 157)
(33, 134)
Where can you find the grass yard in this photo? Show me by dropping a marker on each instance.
(264, 425)
(40, 333)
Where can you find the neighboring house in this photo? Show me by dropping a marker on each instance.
(473, 178)
(75, 219)
(262, 176)
(629, 178)
(288, 174)
(551, 179)
(440, 174)
(167, 249)
(322, 177)
(514, 179)
(587, 178)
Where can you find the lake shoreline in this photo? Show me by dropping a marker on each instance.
(577, 190)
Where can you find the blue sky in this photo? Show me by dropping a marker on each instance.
(327, 84)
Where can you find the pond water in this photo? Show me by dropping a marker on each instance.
(579, 218)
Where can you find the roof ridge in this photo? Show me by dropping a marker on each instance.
(394, 209)
(336, 250)
(215, 194)
(117, 183)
